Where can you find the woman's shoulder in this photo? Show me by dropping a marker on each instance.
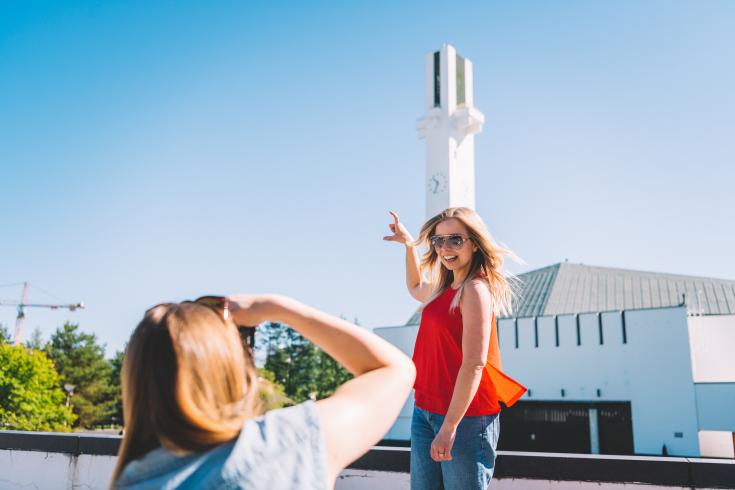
(480, 278)
(283, 426)
(478, 284)
(476, 293)
(301, 419)
(287, 444)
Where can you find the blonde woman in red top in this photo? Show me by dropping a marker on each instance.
(459, 379)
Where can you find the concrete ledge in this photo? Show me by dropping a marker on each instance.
(714, 473)
(384, 458)
(674, 472)
(60, 442)
(577, 467)
(671, 472)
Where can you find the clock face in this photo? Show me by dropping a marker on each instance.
(437, 183)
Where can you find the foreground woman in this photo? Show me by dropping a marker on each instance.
(190, 391)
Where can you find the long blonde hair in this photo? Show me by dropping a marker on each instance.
(487, 260)
(188, 384)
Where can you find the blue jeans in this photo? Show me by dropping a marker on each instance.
(473, 453)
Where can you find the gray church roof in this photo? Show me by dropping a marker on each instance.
(567, 288)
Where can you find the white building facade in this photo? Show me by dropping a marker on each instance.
(616, 362)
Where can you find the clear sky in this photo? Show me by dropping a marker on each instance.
(160, 150)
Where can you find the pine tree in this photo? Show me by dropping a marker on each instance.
(116, 414)
(304, 370)
(81, 363)
(36, 340)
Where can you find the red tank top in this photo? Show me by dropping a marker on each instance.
(438, 357)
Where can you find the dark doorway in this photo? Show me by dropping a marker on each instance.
(615, 425)
(564, 427)
(545, 427)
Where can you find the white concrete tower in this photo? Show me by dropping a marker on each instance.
(449, 126)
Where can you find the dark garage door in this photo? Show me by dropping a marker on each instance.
(616, 428)
(564, 427)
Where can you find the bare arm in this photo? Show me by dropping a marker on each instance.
(419, 289)
(371, 401)
(476, 318)
(413, 274)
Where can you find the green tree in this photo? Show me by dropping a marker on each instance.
(115, 417)
(81, 362)
(4, 334)
(304, 370)
(271, 393)
(36, 340)
(30, 397)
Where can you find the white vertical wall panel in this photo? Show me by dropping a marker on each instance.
(403, 337)
(716, 406)
(717, 444)
(713, 344)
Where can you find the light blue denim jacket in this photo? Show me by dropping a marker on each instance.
(284, 449)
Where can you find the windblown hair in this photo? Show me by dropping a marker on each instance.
(188, 384)
(487, 261)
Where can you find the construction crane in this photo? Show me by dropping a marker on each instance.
(23, 304)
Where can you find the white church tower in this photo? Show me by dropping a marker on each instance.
(449, 126)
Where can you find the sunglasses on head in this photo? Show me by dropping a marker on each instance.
(449, 241)
(221, 305)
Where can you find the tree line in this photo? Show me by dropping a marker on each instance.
(67, 383)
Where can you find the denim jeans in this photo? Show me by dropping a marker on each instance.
(473, 453)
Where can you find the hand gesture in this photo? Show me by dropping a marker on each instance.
(249, 309)
(400, 233)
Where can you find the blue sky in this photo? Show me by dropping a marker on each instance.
(159, 150)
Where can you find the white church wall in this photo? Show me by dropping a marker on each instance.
(652, 370)
(403, 337)
(561, 364)
(664, 403)
(716, 406)
(713, 343)
(506, 337)
(717, 444)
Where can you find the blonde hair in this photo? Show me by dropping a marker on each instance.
(188, 383)
(487, 260)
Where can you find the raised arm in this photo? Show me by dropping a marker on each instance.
(362, 410)
(418, 288)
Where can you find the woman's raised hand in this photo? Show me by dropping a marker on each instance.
(400, 233)
(251, 309)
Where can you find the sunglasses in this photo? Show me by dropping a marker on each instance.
(221, 305)
(453, 242)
